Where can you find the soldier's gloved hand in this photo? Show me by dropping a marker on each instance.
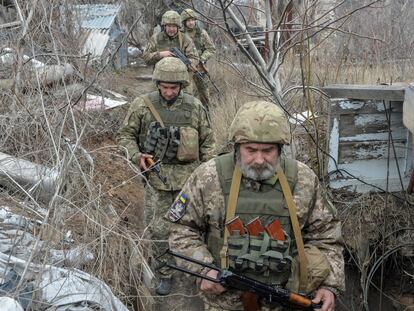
(327, 298)
(166, 54)
(143, 161)
(210, 287)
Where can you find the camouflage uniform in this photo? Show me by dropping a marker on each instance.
(162, 42)
(206, 212)
(159, 197)
(205, 48)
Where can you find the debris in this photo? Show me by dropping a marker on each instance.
(134, 51)
(94, 102)
(42, 284)
(9, 304)
(34, 179)
(300, 118)
(144, 77)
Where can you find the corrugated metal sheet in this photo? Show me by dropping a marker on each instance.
(95, 42)
(96, 16)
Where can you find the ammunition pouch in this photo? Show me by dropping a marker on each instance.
(318, 270)
(188, 150)
(261, 257)
(168, 140)
(152, 137)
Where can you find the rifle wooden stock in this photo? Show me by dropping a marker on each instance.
(250, 301)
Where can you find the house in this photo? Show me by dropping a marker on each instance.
(101, 33)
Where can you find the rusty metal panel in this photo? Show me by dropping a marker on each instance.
(358, 144)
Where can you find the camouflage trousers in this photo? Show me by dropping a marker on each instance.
(184, 295)
(202, 91)
(156, 205)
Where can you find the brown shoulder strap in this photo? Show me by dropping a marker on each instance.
(154, 111)
(230, 212)
(180, 40)
(296, 228)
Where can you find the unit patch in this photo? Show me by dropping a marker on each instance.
(177, 210)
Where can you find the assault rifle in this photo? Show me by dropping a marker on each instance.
(200, 75)
(270, 294)
(153, 166)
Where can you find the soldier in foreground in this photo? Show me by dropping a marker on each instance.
(238, 214)
(170, 127)
(170, 36)
(205, 48)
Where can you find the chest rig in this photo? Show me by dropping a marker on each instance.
(164, 43)
(163, 139)
(195, 34)
(258, 257)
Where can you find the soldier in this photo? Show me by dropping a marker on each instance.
(171, 127)
(160, 43)
(205, 48)
(255, 181)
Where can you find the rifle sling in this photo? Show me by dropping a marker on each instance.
(154, 111)
(303, 262)
(231, 211)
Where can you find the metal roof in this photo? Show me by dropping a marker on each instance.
(97, 16)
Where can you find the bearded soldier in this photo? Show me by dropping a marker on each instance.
(170, 127)
(299, 245)
(205, 48)
(160, 43)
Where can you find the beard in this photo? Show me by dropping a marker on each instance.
(256, 172)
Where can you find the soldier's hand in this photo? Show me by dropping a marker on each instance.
(143, 162)
(210, 287)
(166, 54)
(327, 298)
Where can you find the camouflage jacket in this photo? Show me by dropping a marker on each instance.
(137, 121)
(204, 45)
(206, 208)
(162, 42)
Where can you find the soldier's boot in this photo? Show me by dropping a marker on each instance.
(163, 287)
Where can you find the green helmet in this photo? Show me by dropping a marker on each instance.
(260, 122)
(186, 14)
(171, 18)
(172, 70)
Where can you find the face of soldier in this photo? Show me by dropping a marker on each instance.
(190, 23)
(169, 91)
(258, 161)
(171, 30)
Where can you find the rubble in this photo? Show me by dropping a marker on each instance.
(42, 285)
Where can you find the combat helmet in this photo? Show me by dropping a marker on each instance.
(260, 122)
(171, 18)
(172, 70)
(187, 14)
